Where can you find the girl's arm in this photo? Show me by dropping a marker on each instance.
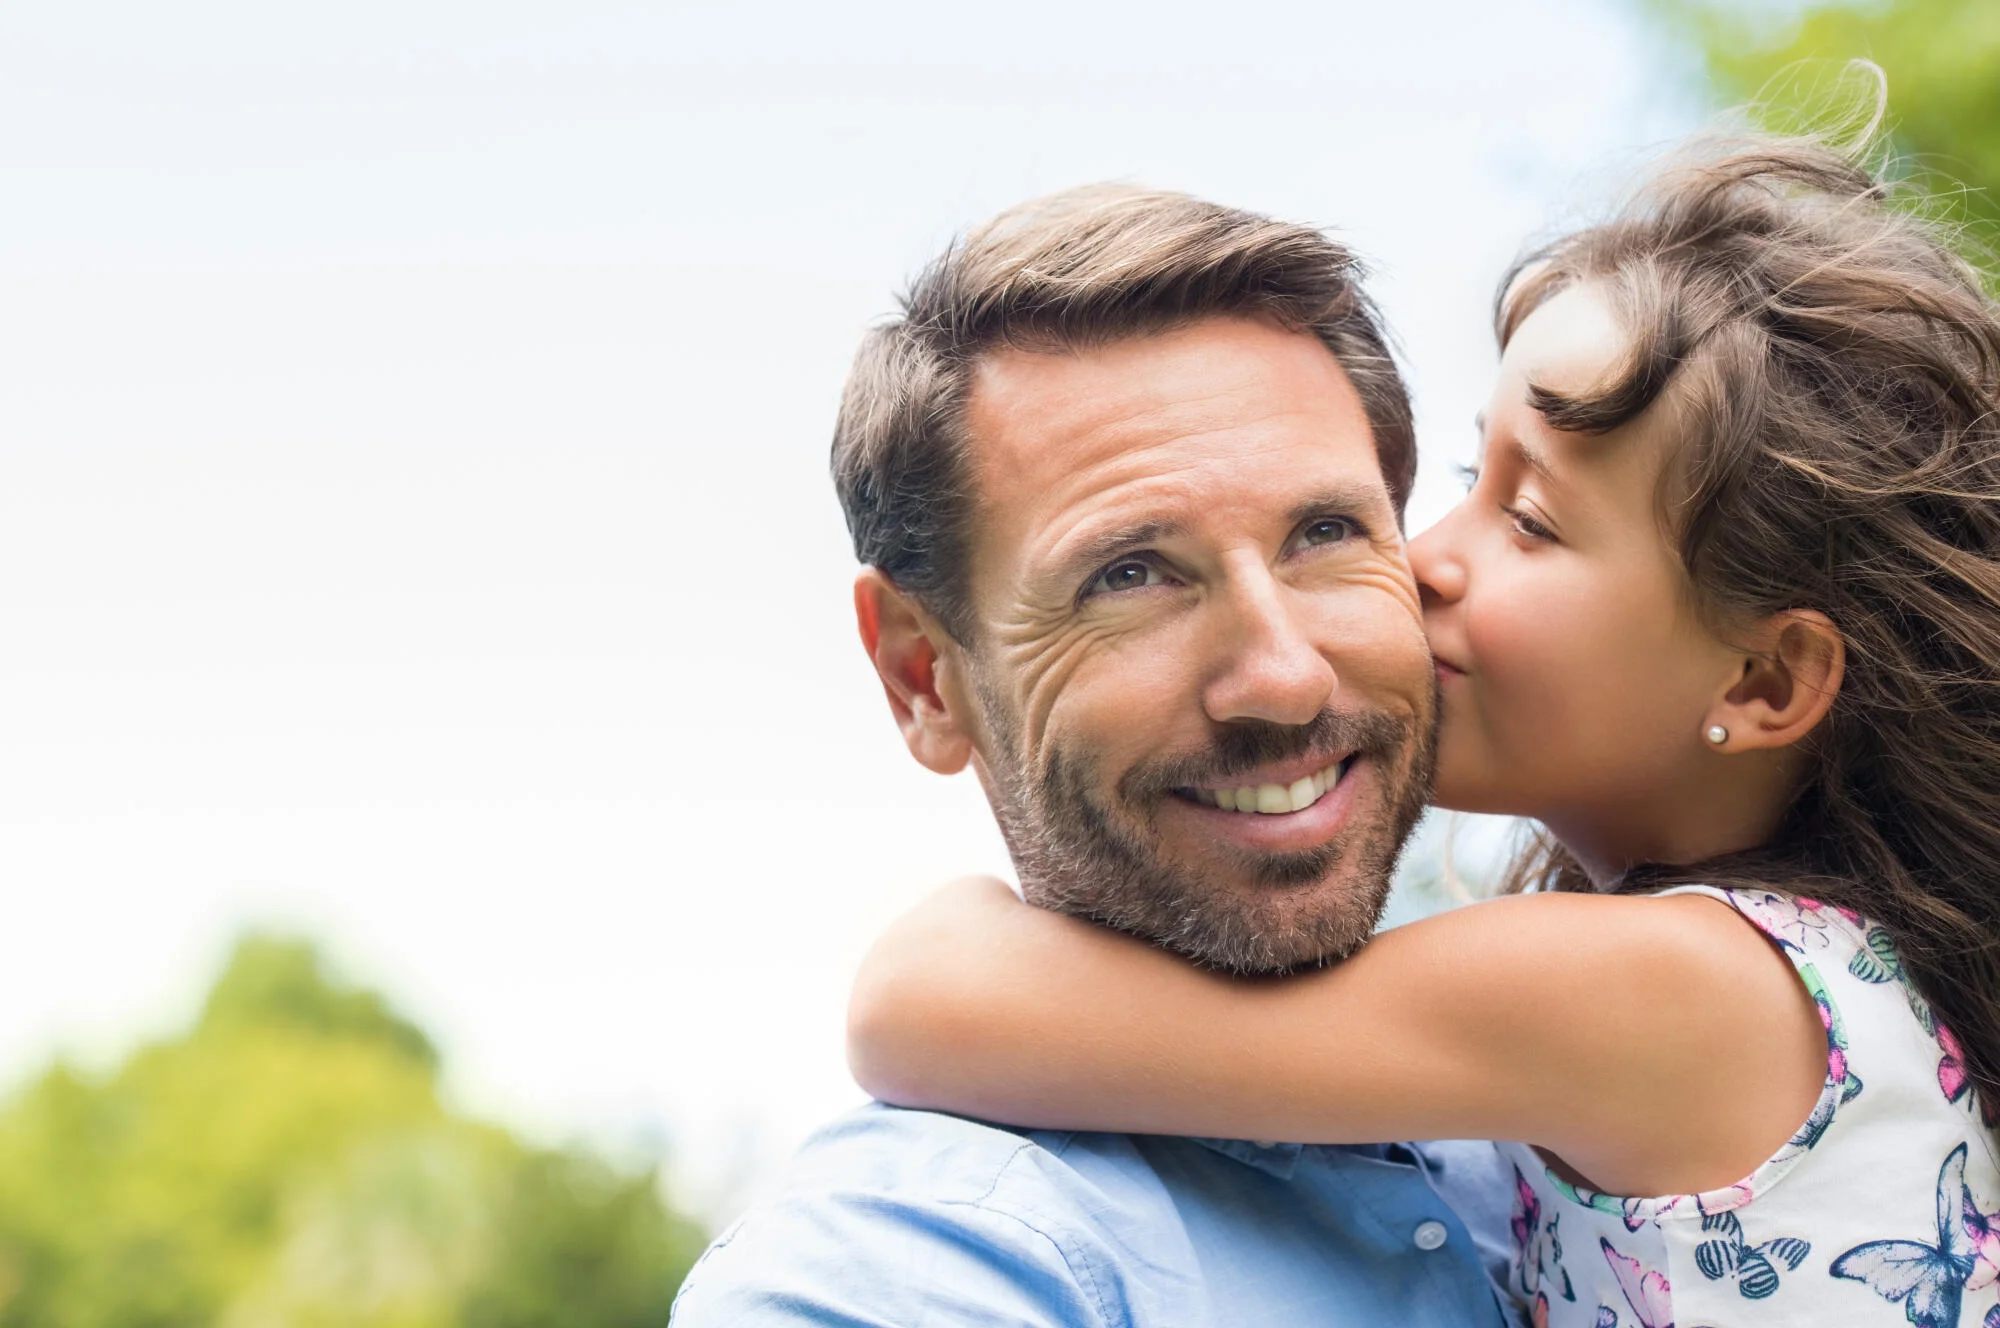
(1657, 1046)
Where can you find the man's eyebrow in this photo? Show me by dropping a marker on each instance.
(1350, 499)
(1102, 547)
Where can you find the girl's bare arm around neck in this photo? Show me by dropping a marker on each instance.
(1657, 1046)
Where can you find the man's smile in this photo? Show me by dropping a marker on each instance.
(1305, 814)
(1275, 795)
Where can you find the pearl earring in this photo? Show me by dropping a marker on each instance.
(1718, 734)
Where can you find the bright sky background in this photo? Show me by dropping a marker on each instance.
(413, 516)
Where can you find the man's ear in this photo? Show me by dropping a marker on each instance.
(1785, 686)
(918, 663)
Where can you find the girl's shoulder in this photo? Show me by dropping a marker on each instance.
(1797, 924)
(1888, 1190)
(1871, 1008)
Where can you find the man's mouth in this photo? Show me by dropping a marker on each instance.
(1273, 799)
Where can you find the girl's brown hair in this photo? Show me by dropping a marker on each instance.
(1831, 371)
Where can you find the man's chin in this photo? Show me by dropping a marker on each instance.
(1265, 916)
(1285, 919)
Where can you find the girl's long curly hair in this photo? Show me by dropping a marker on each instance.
(1832, 371)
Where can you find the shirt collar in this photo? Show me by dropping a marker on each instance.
(1281, 1160)
(1278, 1159)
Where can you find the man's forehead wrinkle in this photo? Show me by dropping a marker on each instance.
(1127, 446)
(1097, 424)
(1036, 418)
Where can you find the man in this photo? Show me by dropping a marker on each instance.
(1127, 479)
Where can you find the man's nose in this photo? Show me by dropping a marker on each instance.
(1437, 563)
(1274, 670)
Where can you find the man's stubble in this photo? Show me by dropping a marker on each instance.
(1077, 856)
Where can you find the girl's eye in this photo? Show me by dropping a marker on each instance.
(1327, 530)
(1467, 475)
(1527, 525)
(1130, 574)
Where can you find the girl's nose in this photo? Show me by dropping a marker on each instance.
(1439, 568)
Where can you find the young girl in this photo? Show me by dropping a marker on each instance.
(1722, 612)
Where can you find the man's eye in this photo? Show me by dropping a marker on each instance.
(1131, 574)
(1327, 530)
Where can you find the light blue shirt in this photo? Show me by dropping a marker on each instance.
(909, 1219)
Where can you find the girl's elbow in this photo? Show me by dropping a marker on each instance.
(881, 1078)
(885, 1044)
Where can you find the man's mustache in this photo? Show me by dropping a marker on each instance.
(1244, 745)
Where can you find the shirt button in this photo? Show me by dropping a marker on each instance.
(1431, 1235)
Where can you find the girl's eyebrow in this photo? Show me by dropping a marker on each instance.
(1536, 460)
(1533, 457)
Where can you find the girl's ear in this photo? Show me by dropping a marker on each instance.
(918, 663)
(1784, 686)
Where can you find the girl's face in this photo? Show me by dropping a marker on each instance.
(1575, 677)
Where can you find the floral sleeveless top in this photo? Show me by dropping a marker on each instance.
(1883, 1209)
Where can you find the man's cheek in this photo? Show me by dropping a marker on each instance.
(1101, 752)
(1382, 655)
(1062, 680)
(1106, 700)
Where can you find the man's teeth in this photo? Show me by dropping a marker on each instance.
(1273, 799)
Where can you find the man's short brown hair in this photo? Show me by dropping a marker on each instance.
(1075, 270)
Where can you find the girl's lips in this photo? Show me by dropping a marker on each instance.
(1447, 670)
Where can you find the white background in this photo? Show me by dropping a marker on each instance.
(413, 517)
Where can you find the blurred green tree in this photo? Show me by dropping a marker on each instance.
(1942, 58)
(289, 1163)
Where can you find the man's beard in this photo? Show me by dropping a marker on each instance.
(1076, 857)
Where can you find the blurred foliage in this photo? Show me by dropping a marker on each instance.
(289, 1163)
(1942, 58)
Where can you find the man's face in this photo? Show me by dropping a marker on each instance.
(1203, 698)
